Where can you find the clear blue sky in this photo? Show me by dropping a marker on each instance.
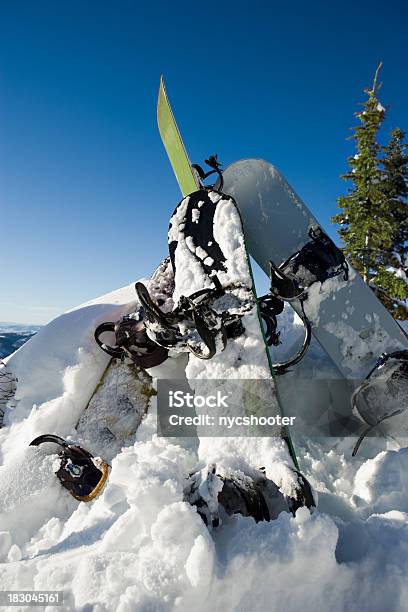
(85, 186)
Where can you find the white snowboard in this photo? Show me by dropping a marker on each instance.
(348, 321)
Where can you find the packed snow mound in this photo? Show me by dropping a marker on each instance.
(140, 547)
(58, 370)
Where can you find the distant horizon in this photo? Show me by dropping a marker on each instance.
(19, 324)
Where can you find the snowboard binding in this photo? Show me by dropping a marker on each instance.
(270, 307)
(83, 475)
(383, 394)
(213, 163)
(317, 261)
(131, 341)
(194, 324)
(216, 496)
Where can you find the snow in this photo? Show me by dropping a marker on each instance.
(139, 547)
(244, 359)
(398, 272)
(58, 370)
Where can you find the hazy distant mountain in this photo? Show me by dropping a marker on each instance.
(14, 335)
(19, 328)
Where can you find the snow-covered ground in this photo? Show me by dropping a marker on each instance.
(140, 547)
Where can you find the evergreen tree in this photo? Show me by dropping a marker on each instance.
(373, 221)
(391, 279)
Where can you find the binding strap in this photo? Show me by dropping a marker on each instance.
(131, 341)
(194, 314)
(213, 163)
(114, 351)
(370, 428)
(82, 474)
(270, 307)
(320, 257)
(382, 360)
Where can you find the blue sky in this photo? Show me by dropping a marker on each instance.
(85, 186)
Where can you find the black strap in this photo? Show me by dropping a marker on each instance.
(282, 286)
(206, 336)
(370, 428)
(402, 356)
(282, 367)
(68, 449)
(213, 163)
(152, 309)
(320, 256)
(270, 307)
(113, 351)
(49, 438)
(195, 308)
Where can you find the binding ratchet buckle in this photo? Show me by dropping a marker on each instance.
(391, 373)
(82, 474)
(317, 261)
(131, 341)
(194, 324)
(270, 307)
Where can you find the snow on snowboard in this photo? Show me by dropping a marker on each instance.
(122, 398)
(334, 394)
(200, 321)
(189, 177)
(311, 273)
(216, 319)
(308, 270)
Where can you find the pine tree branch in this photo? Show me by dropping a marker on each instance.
(375, 287)
(375, 78)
